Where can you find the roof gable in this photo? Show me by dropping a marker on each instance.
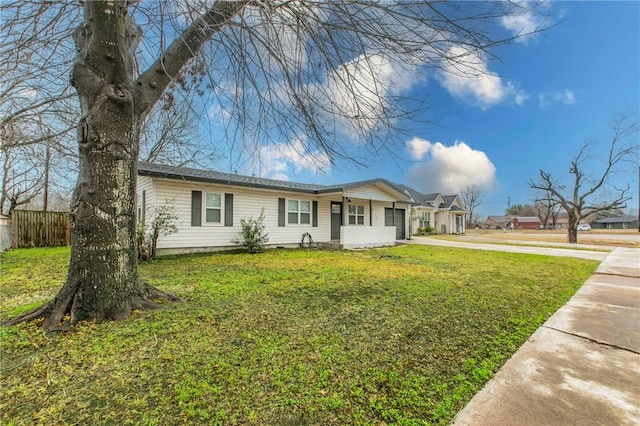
(498, 218)
(452, 201)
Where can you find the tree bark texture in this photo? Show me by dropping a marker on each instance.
(102, 281)
(572, 230)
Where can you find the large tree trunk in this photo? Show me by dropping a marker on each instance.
(572, 224)
(102, 281)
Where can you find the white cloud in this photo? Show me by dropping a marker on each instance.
(524, 21)
(277, 161)
(466, 76)
(566, 97)
(418, 148)
(519, 95)
(450, 168)
(359, 90)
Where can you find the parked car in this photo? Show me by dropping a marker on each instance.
(584, 227)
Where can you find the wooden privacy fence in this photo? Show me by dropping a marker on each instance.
(39, 229)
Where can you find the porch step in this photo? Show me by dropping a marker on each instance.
(335, 245)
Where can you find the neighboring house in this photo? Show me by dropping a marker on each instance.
(562, 222)
(499, 222)
(210, 204)
(526, 222)
(624, 222)
(450, 218)
(444, 214)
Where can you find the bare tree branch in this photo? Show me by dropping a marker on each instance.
(471, 197)
(320, 75)
(622, 148)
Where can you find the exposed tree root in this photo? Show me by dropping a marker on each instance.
(154, 293)
(62, 312)
(39, 312)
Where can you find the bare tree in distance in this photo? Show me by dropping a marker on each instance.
(577, 199)
(323, 73)
(21, 181)
(31, 172)
(547, 209)
(471, 197)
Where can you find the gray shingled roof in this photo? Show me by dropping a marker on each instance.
(210, 176)
(418, 197)
(621, 219)
(197, 175)
(448, 200)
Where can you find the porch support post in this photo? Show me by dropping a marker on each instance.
(345, 217)
(370, 213)
(393, 206)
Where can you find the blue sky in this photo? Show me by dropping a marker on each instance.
(550, 94)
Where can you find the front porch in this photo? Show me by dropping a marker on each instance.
(352, 237)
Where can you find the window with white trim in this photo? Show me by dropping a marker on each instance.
(213, 208)
(424, 220)
(299, 212)
(356, 214)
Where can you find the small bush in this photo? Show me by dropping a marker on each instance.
(162, 222)
(427, 230)
(252, 235)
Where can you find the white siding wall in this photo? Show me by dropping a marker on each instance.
(145, 184)
(246, 203)
(442, 218)
(377, 208)
(367, 236)
(377, 233)
(370, 192)
(378, 213)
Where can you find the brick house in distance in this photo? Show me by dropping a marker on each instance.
(526, 222)
(499, 222)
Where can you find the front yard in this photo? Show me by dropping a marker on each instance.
(405, 334)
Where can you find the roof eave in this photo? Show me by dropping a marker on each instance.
(173, 176)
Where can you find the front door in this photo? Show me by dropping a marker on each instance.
(336, 219)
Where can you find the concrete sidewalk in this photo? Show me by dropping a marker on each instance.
(549, 251)
(582, 367)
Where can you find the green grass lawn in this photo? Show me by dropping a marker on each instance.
(399, 335)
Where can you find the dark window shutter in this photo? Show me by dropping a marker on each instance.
(314, 213)
(196, 208)
(228, 209)
(282, 214)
